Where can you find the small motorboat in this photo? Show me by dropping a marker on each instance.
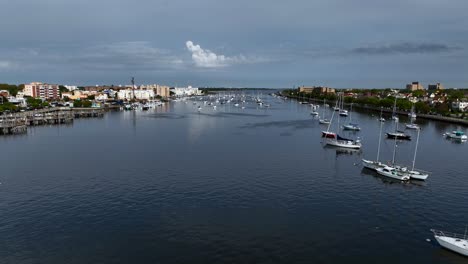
(382, 119)
(452, 241)
(456, 135)
(314, 113)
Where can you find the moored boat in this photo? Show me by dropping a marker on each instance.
(344, 142)
(391, 172)
(456, 135)
(351, 126)
(398, 135)
(452, 241)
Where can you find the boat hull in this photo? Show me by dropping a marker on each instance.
(343, 144)
(393, 174)
(453, 245)
(350, 127)
(398, 136)
(328, 134)
(372, 165)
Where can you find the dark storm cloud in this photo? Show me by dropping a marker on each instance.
(405, 48)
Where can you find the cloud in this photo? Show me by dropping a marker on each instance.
(405, 48)
(207, 59)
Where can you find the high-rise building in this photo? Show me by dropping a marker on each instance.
(437, 86)
(414, 86)
(42, 90)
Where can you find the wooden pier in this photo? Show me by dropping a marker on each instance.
(16, 123)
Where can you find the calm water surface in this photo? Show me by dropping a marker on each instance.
(172, 185)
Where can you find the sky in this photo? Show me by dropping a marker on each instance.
(241, 43)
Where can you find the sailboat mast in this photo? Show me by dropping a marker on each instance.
(394, 151)
(380, 139)
(416, 149)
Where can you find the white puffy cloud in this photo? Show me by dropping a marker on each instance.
(208, 59)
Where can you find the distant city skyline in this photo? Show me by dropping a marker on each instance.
(335, 43)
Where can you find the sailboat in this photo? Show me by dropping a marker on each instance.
(452, 241)
(394, 114)
(323, 120)
(328, 133)
(381, 119)
(314, 110)
(412, 125)
(392, 172)
(412, 114)
(351, 125)
(414, 173)
(398, 134)
(343, 112)
(373, 165)
(341, 142)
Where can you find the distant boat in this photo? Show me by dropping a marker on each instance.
(452, 241)
(412, 126)
(351, 126)
(381, 119)
(456, 135)
(324, 120)
(412, 114)
(343, 112)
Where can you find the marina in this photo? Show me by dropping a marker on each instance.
(262, 167)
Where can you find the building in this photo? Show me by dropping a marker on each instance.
(185, 91)
(316, 89)
(161, 90)
(414, 86)
(139, 94)
(437, 86)
(461, 106)
(71, 87)
(41, 90)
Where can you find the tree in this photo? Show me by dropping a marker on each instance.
(422, 107)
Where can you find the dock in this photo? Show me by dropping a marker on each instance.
(17, 123)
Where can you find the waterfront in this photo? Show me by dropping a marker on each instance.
(251, 185)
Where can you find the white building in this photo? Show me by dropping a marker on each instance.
(139, 94)
(460, 106)
(185, 91)
(71, 87)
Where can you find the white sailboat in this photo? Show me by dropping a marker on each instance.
(394, 114)
(323, 120)
(381, 119)
(341, 142)
(373, 165)
(392, 171)
(412, 114)
(351, 126)
(314, 110)
(416, 173)
(452, 241)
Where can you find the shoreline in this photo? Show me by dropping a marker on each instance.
(446, 119)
